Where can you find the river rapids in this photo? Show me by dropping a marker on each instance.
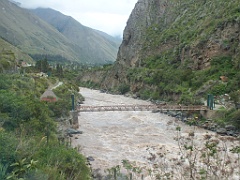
(160, 145)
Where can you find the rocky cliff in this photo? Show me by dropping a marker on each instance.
(174, 47)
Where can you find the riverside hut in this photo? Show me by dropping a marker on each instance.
(49, 96)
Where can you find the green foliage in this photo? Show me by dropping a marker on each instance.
(8, 145)
(28, 145)
(21, 167)
(3, 171)
(183, 28)
(220, 66)
(171, 78)
(62, 107)
(70, 164)
(234, 117)
(186, 99)
(218, 89)
(59, 70)
(235, 96)
(7, 61)
(21, 110)
(145, 94)
(42, 65)
(123, 88)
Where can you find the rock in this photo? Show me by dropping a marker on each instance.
(103, 91)
(134, 96)
(97, 174)
(155, 111)
(172, 113)
(160, 102)
(231, 133)
(73, 131)
(90, 158)
(230, 128)
(221, 131)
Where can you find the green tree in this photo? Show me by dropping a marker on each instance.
(42, 65)
(59, 70)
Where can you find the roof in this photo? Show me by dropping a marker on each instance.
(48, 93)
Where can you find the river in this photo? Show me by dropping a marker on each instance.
(147, 140)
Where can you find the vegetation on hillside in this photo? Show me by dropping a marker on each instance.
(192, 51)
(29, 143)
(188, 51)
(53, 37)
(19, 55)
(85, 39)
(192, 25)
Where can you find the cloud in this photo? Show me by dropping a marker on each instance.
(109, 16)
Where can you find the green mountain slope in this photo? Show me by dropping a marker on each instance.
(30, 34)
(67, 40)
(19, 55)
(93, 45)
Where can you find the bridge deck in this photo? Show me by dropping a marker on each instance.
(140, 108)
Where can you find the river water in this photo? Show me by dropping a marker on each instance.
(146, 139)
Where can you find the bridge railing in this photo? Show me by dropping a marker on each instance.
(141, 108)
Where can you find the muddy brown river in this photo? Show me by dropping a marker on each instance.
(148, 140)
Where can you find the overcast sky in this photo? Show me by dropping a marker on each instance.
(109, 16)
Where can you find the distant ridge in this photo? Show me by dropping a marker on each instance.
(68, 40)
(92, 44)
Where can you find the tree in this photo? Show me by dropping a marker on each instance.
(59, 70)
(42, 65)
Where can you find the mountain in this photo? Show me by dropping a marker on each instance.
(11, 57)
(93, 45)
(34, 36)
(179, 50)
(19, 55)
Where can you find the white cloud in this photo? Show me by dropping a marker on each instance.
(109, 16)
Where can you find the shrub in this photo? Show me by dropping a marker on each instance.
(234, 117)
(123, 88)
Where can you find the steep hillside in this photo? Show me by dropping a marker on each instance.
(19, 55)
(92, 45)
(11, 57)
(178, 49)
(68, 40)
(32, 35)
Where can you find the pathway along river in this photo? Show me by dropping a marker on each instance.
(150, 141)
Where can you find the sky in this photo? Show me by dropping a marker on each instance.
(109, 16)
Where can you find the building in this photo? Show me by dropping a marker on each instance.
(49, 96)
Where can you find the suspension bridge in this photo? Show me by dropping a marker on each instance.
(138, 107)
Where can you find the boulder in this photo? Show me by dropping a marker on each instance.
(221, 131)
(90, 158)
(230, 128)
(73, 131)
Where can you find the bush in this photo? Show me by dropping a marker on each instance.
(234, 117)
(28, 132)
(123, 88)
(218, 89)
(8, 145)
